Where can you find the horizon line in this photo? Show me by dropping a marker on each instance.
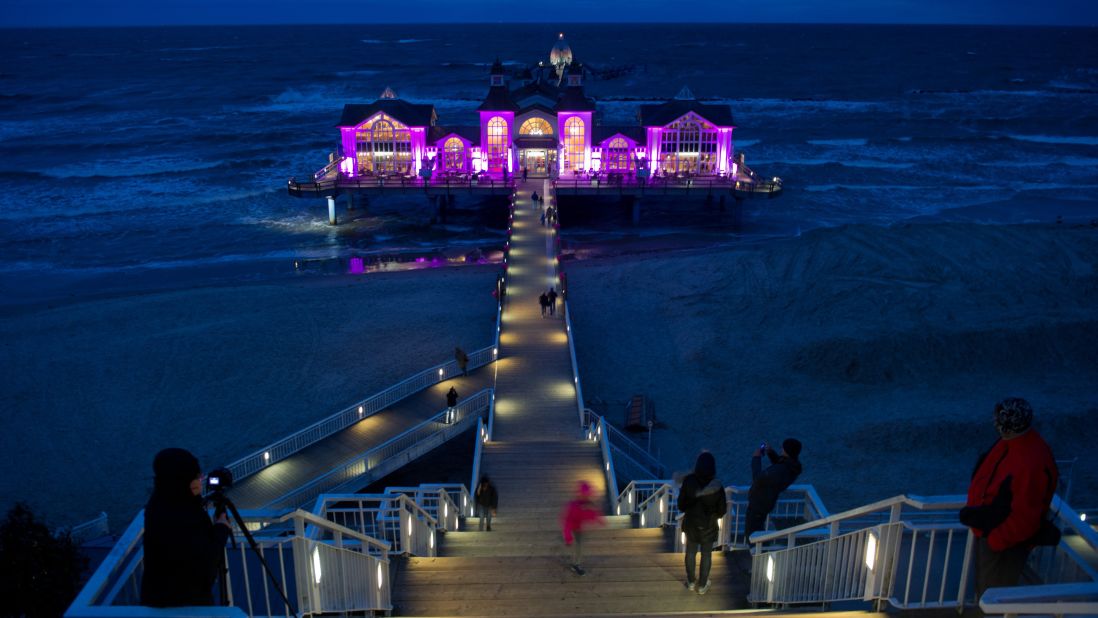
(556, 26)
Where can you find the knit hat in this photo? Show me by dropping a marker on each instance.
(1013, 415)
(175, 468)
(792, 447)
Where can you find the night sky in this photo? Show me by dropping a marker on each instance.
(17, 13)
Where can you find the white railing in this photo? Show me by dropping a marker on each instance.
(391, 454)
(354, 413)
(909, 551)
(443, 502)
(392, 517)
(483, 436)
(315, 574)
(91, 529)
(798, 503)
(1052, 599)
(575, 365)
(599, 433)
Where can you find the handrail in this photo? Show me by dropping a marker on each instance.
(1054, 599)
(352, 470)
(295, 442)
(93, 528)
(575, 365)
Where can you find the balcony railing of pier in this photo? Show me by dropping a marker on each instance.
(392, 454)
(328, 185)
(665, 184)
(907, 551)
(392, 517)
(354, 413)
(314, 572)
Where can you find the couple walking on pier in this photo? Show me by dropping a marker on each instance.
(548, 302)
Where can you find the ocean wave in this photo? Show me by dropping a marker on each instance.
(195, 49)
(400, 41)
(128, 168)
(357, 73)
(1065, 161)
(1082, 140)
(839, 142)
(744, 143)
(860, 163)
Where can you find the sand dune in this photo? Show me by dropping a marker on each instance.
(883, 349)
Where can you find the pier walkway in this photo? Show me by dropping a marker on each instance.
(536, 458)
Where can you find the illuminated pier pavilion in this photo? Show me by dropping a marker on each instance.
(545, 125)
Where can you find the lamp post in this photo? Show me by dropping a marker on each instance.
(650, 424)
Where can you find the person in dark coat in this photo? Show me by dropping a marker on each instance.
(767, 485)
(534, 198)
(552, 296)
(702, 502)
(451, 404)
(183, 548)
(487, 501)
(543, 300)
(462, 360)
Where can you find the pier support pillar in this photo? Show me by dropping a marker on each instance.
(351, 202)
(636, 211)
(331, 210)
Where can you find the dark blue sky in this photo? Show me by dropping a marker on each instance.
(186, 12)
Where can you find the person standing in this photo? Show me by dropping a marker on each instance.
(487, 501)
(1008, 497)
(767, 485)
(578, 514)
(551, 295)
(702, 502)
(525, 172)
(451, 404)
(462, 360)
(183, 548)
(543, 300)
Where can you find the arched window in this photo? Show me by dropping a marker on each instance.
(497, 144)
(574, 144)
(453, 155)
(384, 146)
(689, 146)
(536, 126)
(618, 156)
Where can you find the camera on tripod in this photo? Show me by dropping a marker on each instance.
(217, 483)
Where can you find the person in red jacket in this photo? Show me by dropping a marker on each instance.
(1009, 496)
(578, 515)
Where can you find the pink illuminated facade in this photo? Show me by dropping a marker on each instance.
(544, 124)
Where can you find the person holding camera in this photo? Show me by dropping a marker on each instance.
(183, 548)
(1009, 496)
(767, 485)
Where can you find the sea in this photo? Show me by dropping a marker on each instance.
(148, 158)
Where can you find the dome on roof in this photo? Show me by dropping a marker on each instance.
(561, 54)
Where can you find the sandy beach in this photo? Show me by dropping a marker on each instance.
(93, 388)
(882, 348)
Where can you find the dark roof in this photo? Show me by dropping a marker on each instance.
(411, 114)
(666, 113)
(575, 68)
(602, 133)
(498, 99)
(537, 88)
(573, 100)
(497, 67)
(471, 134)
(539, 107)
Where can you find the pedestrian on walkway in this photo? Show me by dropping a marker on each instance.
(1009, 496)
(451, 405)
(462, 360)
(524, 174)
(767, 485)
(703, 503)
(487, 501)
(543, 218)
(543, 300)
(534, 198)
(580, 513)
(552, 296)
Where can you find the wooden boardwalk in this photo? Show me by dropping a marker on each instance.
(279, 478)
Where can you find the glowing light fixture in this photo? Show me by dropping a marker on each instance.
(871, 551)
(770, 569)
(1082, 516)
(266, 456)
(661, 506)
(440, 373)
(642, 520)
(379, 575)
(316, 565)
(360, 410)
(445, 510)
(683, 538)
(431, 541)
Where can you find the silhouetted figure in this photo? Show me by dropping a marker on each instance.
(702, 502)
(183, 549)
(524, 174)
(462, 360)
(451, 404)
(767, 485)
(552, 296)
(543, 300)
(578, 514)
(1009, 496)
(487, 501)
(534, 198)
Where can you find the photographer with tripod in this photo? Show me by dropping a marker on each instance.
(183, 548)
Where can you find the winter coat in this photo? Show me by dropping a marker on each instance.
(451, 398)
(702, 505)
(576, 516)
(486, 496)
(767, 485)
(183, 550)
(1010, 491)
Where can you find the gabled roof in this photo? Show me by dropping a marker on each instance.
(411, 114)
(573, 100)
(541, 89)
(602, 133)
(538, 107)
(666, 113)
(498, 99)
(471, 134)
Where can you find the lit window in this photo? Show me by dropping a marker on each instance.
(385, 146)
(454, 155)
(574, 144)
(497, 144)
(618, 157)
(689, 146)
(536, 126)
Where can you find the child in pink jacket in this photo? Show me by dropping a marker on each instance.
(576, 516)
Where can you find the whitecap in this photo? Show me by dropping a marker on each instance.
(744, 143)
(857, 141)
(1082, 140)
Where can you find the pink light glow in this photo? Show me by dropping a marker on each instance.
(357, 266)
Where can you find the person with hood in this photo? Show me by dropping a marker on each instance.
(702, 502)
(451, 404)
(1009, 496)
(487, 501)
(183, 549)
(767, 485)
(578, 514)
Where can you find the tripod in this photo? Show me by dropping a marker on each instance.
(222, 504)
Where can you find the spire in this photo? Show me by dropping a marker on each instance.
(388, 93)
(685, 94)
